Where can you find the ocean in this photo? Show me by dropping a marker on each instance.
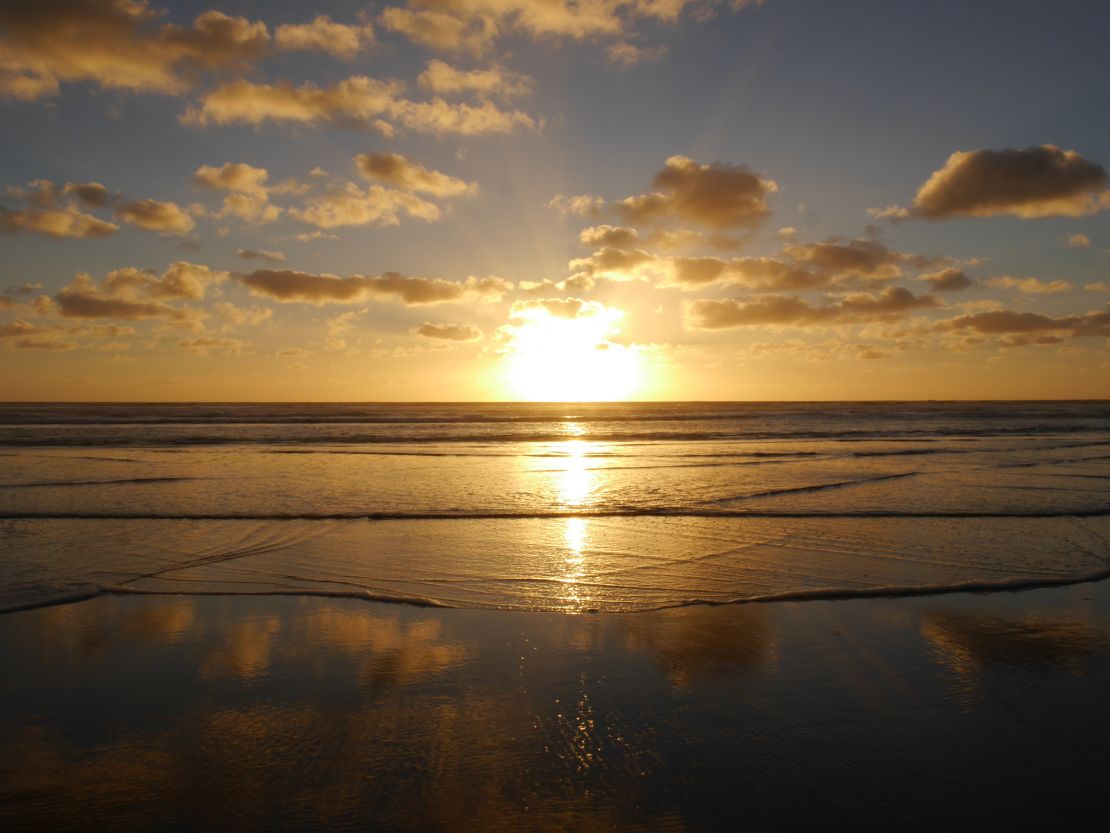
(598, 508)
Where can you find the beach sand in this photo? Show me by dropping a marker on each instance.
(958, 711)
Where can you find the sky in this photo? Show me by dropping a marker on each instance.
(439, 200)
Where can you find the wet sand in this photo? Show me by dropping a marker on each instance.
(960, 711)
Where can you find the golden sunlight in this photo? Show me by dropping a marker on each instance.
(557, 354)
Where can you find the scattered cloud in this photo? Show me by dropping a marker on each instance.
(628, 54)
(717, 195)
(1019, 329)
(789, 310)
(948, 280)
(441, 78)
(65, 222)
(116, 44)
(207, 345)
(153, 215)
(233, 176)
(448, 332)
(1030, 286)
(401, 172)
(261, 254)
(358, 101)
(289, 286)
(322, 34)
(132, 294)
(350, 205)
(1040, 181)
(1077, 241)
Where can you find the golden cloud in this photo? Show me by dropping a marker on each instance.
(356, 101)
(115, 44)
(1030, 286)
(154, 215)
(443, 79)
(352, 206)
(323, 34)
(66, 222)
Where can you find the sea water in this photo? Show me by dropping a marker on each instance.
(556, 507)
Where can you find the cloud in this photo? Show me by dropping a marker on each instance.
(1035, 182)
(629, 54)
(894, 213)
(788, 310)
(289, 286)
(719, 196)
(948, 280)
(1030, 286)
(206, 345)
(250, 208)
(261, 254)
(401, 172)
(716, 195)
(568, 308)
(352, 206)
(239, 316)
(358, 101)
(66, 222)
(115, 44)
(438, 30)
(584, 205)
(1077, 241)
(233, 176)
(20, 334)
(153, 215)
(867, 259)
(606, 235)
(447, 332)
(443, 79)
(89, 194)
(475, 25)
(355, 100)
(1018, 329)
(131, 293)
(322, 34)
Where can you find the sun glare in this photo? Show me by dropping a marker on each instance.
(553, 358)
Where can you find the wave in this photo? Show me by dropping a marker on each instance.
(617, 512)
(116, 482)
(1003, 585)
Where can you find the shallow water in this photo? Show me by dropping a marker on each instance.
(961, 712)
(551, 507)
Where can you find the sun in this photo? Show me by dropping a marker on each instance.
(561, 351)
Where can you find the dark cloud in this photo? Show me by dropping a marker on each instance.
(948, 280)
(859, 258)
(789, 310)
(1035, 182)
(289, 286)
(1022, 328)
(401, 172)
(718, 195)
